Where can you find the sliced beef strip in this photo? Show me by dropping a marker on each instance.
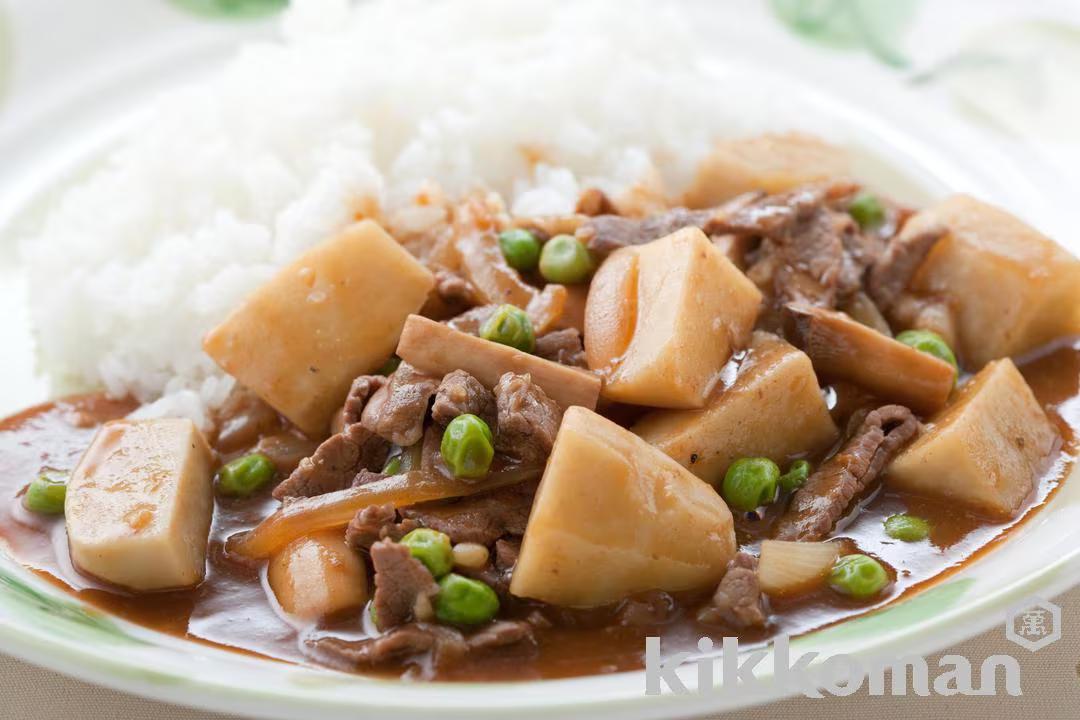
(762, 215)
(460, 393)
(396, 411)
(737, 602)
(528, 419)
(817, 505)
(360, 392)
(335, 464)
(414, 642)
(815, 265)
(506, 553)
(517, 634)
(404, 588)
(375, 523)
(481, 518)
(366, 476)
(562, 346)
(423, 644)
(811, 251)
(893, 270)
(605, 234)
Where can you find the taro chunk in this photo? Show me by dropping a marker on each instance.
(1010, 287)
(773, 163)
(663, 318)
(318, 575)
(614, 516)
(985, 450)
(769, 406)
(139, 504)
(333, 314)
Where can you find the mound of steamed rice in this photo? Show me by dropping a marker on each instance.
(229, 179)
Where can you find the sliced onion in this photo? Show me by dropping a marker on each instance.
(791, 568)
(336, 509)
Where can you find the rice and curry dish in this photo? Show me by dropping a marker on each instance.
(498, 434)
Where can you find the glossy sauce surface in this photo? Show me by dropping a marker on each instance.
(234, 609)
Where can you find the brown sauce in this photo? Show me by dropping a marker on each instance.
(232, 607)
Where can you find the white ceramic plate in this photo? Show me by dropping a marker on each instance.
(903, 147)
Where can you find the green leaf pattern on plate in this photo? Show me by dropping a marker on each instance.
(924, 606)
(874, 25)
(58, 615)
(232, 9)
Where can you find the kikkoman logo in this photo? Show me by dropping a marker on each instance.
(839, 675)
(1033, 624)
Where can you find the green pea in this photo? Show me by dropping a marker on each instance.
(750, 483)
(432, 548)
(244, 475)
(509, 325)
(520, 248)
(566, 260)
(796, 476)
(462, 601)
(931, 343)
(858, 576)
(390, 365)
(468, 446)
(392, 466)
(46, 493)
(907, 528)
(867, 210)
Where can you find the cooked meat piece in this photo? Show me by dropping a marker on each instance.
(361, 391)
(366, 476)
(506, 553)
(811, 252)
(655, 607)
(335, 464)
(756, 213)
(503, 634)
(528, 419)
(375, 523)
(605, 234)
(479, 519)
(594, 201)
(460, 393)
(404, 588)
(242, 419)
(815, 265)
(818, 504)
(562, 346)
(737, 602)
(415, 642)
(454, 289)
(431, 449)
(419, 643)
(893, 270)
(397, 411)
(470, 321)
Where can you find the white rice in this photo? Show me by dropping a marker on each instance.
(229, 179)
